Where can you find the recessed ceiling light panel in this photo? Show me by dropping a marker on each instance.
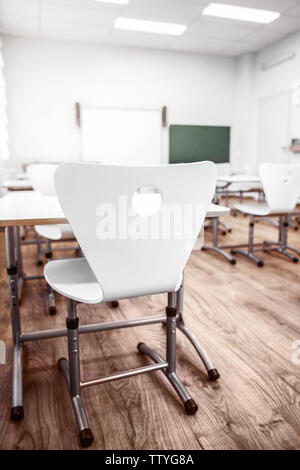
(234, 12)
(118, 2)
(149, 26)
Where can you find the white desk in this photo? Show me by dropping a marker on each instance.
(230, 179)
(17, 185)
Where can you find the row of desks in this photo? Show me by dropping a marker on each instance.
(30, 208)
(25, 185)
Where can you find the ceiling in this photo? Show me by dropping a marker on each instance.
(91, 21)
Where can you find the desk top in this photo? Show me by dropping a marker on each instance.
(31, 208)
(17, 185)
(239, 179)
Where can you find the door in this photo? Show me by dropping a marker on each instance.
(274, 128)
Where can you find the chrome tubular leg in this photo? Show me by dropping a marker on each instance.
(17, 411)
(293, 249)
(51, 298)
(170, 371)
(71, 372)
(226, 227)
(39, 251)
(19, 259)
(212, 372)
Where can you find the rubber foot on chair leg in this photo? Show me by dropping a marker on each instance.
(139, 346)
(233, 262)
(295, 260)
(17, 413)
(213, 374)
(39, 263)
(260, 264)
(114, 304)
(59, 361)
(52, 310)
(86, 437)
(190, 407)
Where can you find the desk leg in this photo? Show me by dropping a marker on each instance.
(214, 246)
(12, 272)
(213, 374)
(19, 261)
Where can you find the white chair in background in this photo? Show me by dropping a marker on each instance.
(281, 187)
(120, 264)
(41, 177)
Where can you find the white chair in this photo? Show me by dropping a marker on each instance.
(42, 179)
(281, 187)
(110, 209)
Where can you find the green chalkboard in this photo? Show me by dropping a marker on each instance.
(198, 143)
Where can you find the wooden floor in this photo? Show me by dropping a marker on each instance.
(246, 317)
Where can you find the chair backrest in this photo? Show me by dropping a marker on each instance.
(125, 219)
(281, 184)
(41, 176)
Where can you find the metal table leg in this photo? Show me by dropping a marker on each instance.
(249, 253)
(17, 412)
(281, 246)
(214, 246)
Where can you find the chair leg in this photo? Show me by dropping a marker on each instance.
(170, 372)
(212, 372)
(226, 227)
(71, 372)
(51, 298)
(293, 249)
(249, 254)
(39, 251)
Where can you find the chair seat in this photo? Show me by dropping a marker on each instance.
(74, 279)
(55, 232)
(262, 210)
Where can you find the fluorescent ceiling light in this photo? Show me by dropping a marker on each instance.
(119, 2)
(241, 13)
(149, 26)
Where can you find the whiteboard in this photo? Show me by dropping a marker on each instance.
(112, 135)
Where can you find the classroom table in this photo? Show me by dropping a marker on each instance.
(225, 182)
(230, 179)
(17, 185)
(39, 210)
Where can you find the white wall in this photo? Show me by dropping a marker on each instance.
(46, 78)
(273, 83)
(242, 144)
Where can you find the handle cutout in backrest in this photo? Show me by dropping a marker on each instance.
(147, 200)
